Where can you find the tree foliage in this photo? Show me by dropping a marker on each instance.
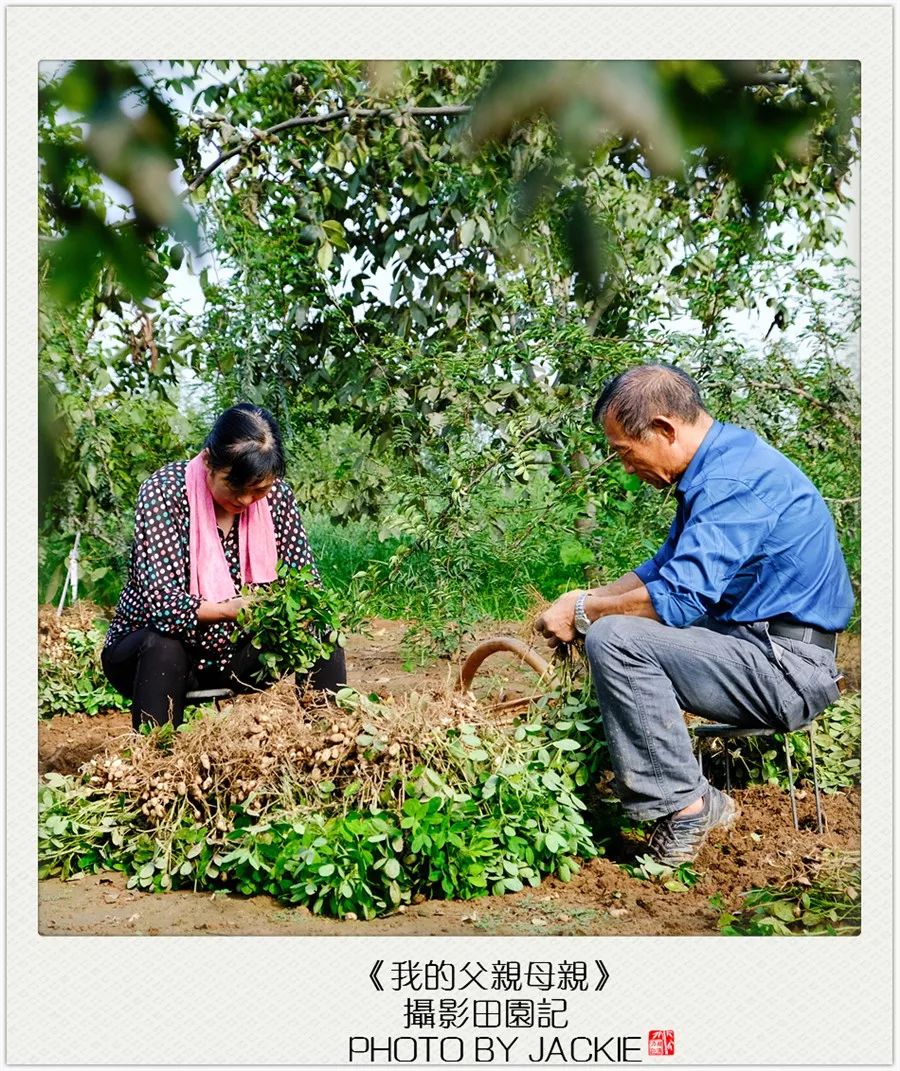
(431, 267)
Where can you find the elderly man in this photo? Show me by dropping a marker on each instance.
(734, 618)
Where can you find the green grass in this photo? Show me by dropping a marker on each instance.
(491, 577)
(341, 552)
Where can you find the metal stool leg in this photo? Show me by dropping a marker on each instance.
(216, 696)
(812, 755)
(790, 771)
(725, 733)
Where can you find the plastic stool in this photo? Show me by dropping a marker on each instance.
(208, 695)
(726, 731)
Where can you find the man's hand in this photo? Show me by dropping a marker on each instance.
(557, 622)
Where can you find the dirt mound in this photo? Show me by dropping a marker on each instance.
(762, 850)
(65, 743)
(848, 659)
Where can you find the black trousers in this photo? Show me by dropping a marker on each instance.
(155, 671)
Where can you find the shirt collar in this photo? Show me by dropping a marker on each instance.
(692, 472)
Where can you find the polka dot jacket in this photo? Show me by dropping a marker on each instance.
(157, 592)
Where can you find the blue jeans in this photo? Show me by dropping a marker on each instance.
(646, 674)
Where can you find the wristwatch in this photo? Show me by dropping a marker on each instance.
(582, 621)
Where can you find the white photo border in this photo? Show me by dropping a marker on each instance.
(272, 1000)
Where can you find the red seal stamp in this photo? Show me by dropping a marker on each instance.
(661, 1043)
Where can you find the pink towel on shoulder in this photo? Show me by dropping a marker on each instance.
(210, 577)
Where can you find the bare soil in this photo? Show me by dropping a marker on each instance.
(762, 850)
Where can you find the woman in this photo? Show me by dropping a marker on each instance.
(203, 529)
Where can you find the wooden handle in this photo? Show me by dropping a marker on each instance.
(486, 648)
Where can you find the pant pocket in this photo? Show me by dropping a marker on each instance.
(810, 688)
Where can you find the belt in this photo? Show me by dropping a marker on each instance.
(804, 633)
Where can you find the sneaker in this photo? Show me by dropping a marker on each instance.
(677, 840)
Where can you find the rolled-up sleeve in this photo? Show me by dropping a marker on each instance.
(727, 525)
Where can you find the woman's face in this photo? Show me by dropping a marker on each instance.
(231, 499)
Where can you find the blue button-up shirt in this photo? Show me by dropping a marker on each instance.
(752, 539)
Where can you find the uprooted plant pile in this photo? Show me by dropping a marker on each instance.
(826, 901)
(70, 679)
(262, 755)
(350, 810)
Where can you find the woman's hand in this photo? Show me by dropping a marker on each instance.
(233, 607)
(209, 613)
(557, 622)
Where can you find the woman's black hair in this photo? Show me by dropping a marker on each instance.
(245, 442)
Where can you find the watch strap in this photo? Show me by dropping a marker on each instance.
(582, 623)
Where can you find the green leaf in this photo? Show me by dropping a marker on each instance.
(325, 255)
(782, 910)
(554, 843)
(572, 553)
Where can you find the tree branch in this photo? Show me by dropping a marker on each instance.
(836, 413)
(766, 78)
(318, 120)
(747, 79)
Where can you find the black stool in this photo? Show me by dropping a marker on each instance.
(725, 732)
(208, 695)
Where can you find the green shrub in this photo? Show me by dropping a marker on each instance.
(75, 683)
(107, 445)
(836, 734)
(335, 866)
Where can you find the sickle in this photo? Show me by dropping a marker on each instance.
(490, 646)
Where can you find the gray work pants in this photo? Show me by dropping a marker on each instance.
(646, 674)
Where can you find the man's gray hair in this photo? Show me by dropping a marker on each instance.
(636, 396)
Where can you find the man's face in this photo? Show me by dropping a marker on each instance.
(654, 459)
